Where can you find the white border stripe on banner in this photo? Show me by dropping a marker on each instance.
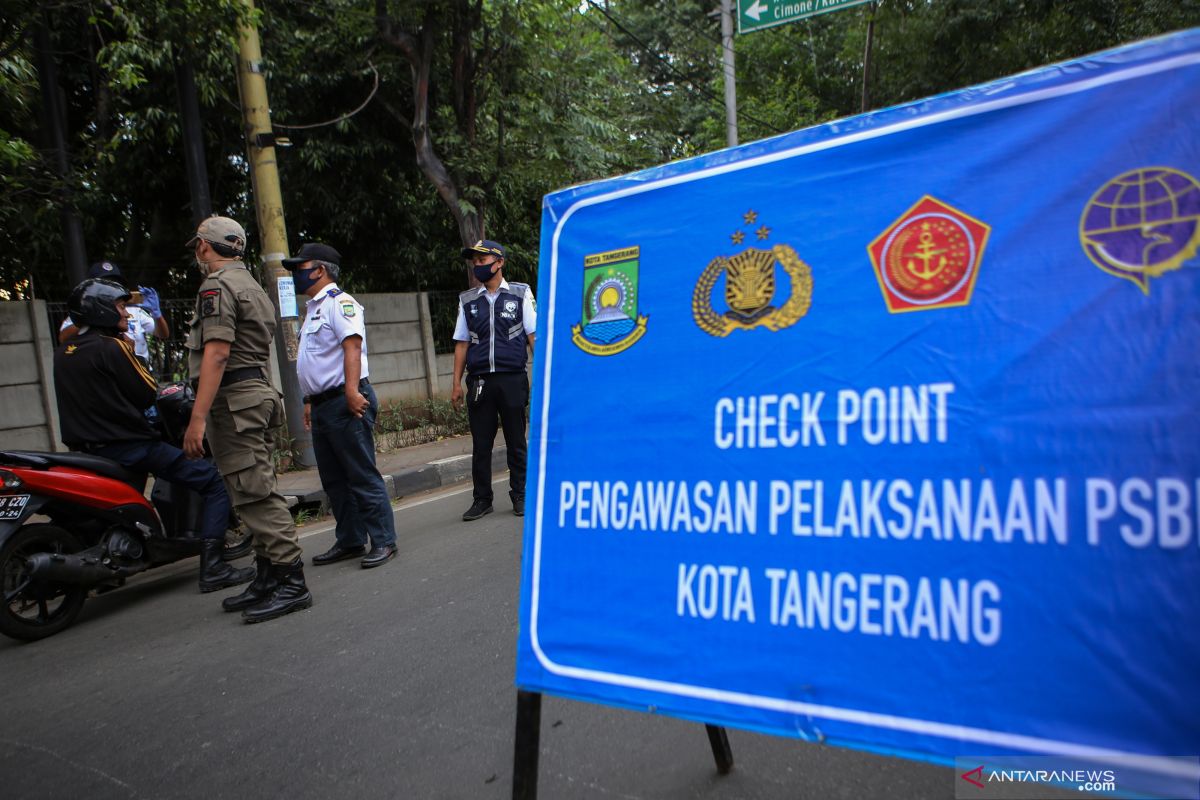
(867, 718)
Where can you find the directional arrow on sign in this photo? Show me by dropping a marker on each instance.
(755, 15)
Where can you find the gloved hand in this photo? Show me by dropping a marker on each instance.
(150, 301)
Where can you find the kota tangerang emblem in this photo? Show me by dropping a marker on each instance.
(611, 322)
(1142, 224)
(751, 285)
(929, 257)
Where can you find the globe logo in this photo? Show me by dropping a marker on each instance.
(1142, 224)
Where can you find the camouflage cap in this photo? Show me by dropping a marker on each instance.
(221, 231)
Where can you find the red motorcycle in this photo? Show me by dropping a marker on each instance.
(72, 523)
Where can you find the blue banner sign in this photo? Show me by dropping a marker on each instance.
(887, 432)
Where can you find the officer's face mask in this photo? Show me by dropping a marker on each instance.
(304, 279)
(201, 264)
(484, 272)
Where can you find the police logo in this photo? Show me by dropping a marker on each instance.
(929, 257)
(750, 287)
(1142, 224)
(611, 322)
(510, 306)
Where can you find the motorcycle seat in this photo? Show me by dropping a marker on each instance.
(97, 464)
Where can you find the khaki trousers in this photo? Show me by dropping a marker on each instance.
(243, 423)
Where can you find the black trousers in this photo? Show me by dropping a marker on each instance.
(496, 396)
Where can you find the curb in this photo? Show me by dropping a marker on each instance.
(411, 480)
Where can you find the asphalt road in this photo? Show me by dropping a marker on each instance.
(398, 683)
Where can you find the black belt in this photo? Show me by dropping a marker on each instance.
(233, 376)
(329, 394)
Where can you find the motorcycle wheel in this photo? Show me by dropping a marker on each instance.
(33, 611)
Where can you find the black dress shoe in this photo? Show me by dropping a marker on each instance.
(478, 509)
(379, 556)
(338, 553)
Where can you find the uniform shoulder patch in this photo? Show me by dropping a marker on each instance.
(348, 309)
(210, 302)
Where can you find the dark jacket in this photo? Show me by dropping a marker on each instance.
(102, 390)
(498, 341)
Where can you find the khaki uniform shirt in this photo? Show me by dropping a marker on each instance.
(232, 307)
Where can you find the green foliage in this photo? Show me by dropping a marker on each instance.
(418, 422)
(304, 515)
(525, 97)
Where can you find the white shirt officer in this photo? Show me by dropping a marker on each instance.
(330, 318)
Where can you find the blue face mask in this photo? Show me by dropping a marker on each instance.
(304, 280)
(483, 272)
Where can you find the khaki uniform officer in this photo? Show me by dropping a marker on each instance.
(229, 340)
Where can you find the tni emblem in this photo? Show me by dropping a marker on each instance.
(929, 257)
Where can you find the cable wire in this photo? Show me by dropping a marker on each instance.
(336, 120)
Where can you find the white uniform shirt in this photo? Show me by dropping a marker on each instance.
(528, 313)
(330, 317)
(141, 324)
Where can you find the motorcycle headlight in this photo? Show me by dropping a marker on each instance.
(10, 479)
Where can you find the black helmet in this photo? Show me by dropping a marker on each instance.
(94, 302)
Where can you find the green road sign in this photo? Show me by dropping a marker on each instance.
(754, 15)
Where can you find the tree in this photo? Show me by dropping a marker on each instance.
(418, 126)
(126, 175)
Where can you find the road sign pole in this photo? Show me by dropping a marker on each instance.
(866, 89)
(731, 131)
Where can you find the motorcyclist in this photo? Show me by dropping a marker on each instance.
(103, 391)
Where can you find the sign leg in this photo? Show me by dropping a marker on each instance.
(526, 745)
(722, 753)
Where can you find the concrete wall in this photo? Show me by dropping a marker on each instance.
(28, 412)
(400, 348)
(445, 374)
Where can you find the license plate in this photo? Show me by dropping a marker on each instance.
(12, 505)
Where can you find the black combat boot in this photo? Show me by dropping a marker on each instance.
(258, 591)
(214, 572)
(290, 594)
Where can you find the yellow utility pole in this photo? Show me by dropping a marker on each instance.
(264, 173)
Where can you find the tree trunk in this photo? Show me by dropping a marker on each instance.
(420, 58)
